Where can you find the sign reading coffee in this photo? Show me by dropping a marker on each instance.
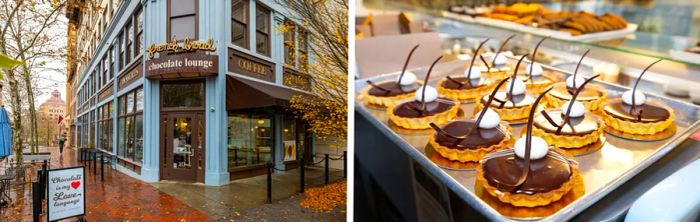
(248, 65)
(184, 60)
(66, 193)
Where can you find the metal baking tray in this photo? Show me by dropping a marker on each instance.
(603, 170)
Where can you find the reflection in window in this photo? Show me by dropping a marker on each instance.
(249, 140)
(130, 130)
(182, 19)
(262, 30)
(239, 23)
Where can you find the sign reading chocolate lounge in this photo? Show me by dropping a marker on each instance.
(183, 60)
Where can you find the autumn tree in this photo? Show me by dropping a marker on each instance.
(28, 33)
(326, 25)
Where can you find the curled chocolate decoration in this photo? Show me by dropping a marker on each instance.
(571, 104)
(515, 74)
(377, 86)
(534, 56)
(503, 45)
(578, 65)
(405, 64)
(634, 89)
(425, 86)
(488, 68)
(476, 52)
(478, 119)
(528, 141)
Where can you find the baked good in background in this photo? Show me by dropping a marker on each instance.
(468, 87)
(592, 96)
(389, 93)
(426, 108)
(512, 104)
(499, 68)
(633, 115)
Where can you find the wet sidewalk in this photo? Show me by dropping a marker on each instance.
(117, 198)
(123, 198)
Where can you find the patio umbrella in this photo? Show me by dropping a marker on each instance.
(5, 133)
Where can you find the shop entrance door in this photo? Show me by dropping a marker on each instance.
(182, 146)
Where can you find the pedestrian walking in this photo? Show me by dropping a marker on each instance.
(61, 142)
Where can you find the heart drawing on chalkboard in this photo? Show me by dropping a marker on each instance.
(75, 184)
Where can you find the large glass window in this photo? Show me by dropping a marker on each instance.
(239, 24)
(250, 140)
(130, 141)
(122, 46)
(262, 30)
(182, 94)
(182, 19)
(105, 127)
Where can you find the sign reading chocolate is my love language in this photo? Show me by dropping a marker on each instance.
(66, 193)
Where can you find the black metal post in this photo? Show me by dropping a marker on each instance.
(326, 173)
(102, 167)
(269, 182)
(345, 164)
(301, 174)
(36, 201)
(81, 153)
(94, 162)
(235, 157)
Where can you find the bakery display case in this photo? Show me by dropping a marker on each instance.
(437, 169)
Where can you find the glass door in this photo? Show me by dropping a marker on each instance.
(182, 148)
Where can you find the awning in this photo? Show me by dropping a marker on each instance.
(243, 92)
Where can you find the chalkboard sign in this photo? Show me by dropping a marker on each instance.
(66, 193)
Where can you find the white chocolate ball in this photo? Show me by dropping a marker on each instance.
(536, 69)
(500, 59)
(538, 148)
(570, 82)
(518, 86)
(408, 78)
(577, 110)
(476, 72)
(431, 94)
(490, 119)
(639, 99)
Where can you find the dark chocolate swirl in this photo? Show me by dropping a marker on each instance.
(412, 109)
(389, 89)
(646, 113)
(479, 138)
(544, 175)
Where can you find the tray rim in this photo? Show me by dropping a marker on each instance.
(565, 213)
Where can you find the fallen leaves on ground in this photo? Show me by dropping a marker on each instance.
(325, 198)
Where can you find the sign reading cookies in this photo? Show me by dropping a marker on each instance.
(242, 63)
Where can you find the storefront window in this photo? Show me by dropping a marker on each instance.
(239, 24)
(105, 127)
(131, 126)
(289, 140)
(250, 140)
(262, 30)
(182, 94)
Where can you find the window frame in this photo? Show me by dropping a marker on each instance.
(130, 116)
(268, 23)
(196, 20)
(245, 23)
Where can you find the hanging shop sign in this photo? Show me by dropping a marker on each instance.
(248, 65)
(66, 193)
(187, 45)
(184, 59)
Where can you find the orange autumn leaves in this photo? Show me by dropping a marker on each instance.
(325, 198)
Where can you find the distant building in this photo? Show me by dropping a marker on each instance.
(51, 110)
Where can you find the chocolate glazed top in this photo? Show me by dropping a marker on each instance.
(561, 91)
(466, 83)
(582, 125)
(481, 138)
(413, 109)
(518, 100)
(545, 174)
(394, 89)
(650, 112)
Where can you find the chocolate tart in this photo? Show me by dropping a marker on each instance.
(580, 132)
(464, 88)
(646, 118)
(475, 146)
(501, 71)
(410, 116)
(654, 117)
(527, 181)
(548, 179)
(511, 108)
(593, 96)
(395, 94)
(537, 84)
